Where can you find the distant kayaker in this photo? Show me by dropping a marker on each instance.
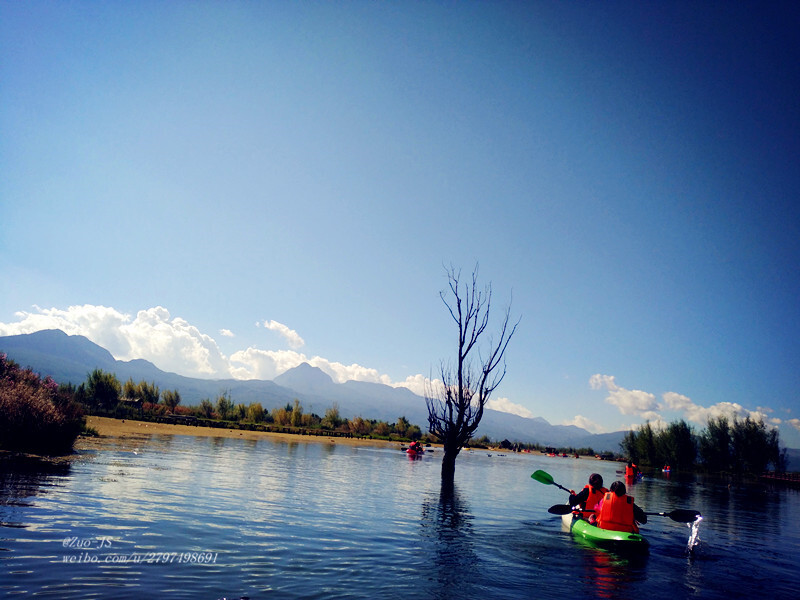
(617, 510)
(631, 471)
(590, 495)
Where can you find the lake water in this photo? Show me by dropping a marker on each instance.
(184, 517)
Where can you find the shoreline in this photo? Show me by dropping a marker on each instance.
(109, 429)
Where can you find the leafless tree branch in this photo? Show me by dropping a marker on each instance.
(456, 408)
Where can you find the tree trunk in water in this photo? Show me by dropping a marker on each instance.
(449, 464)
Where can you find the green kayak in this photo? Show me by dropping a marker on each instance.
(603, 538)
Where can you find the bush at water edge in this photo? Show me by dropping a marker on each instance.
(35, 416)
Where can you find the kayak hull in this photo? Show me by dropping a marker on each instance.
(604, 538)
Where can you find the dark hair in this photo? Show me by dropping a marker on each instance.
(618, 488)
(596, 480)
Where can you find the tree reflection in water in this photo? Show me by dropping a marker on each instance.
(23, 477)
(448, 537)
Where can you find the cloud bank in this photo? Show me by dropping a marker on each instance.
(172, 344)
(628, 402)
(585, 423)
(646, 406)
(153, 334)
(505, 405)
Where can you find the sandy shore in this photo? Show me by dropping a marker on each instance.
(122, 429)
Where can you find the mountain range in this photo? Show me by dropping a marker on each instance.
(70, 359)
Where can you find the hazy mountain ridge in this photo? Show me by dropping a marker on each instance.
(72, 358)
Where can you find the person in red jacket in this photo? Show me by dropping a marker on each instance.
(589, 496)
(617, 511)
(632, 472)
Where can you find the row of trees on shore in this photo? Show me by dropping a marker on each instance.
(103, 394)
(39, 415)
(725, 445)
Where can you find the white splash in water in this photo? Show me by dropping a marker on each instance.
(694, 535)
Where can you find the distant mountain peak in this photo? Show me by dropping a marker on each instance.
(71, 348)
(304, 377)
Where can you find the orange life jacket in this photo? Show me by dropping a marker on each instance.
(595, 496)
(616, 513)
(630, 472)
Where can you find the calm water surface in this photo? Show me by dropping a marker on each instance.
(186, 517)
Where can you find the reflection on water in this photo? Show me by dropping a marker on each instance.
(327, 520)
(609, 574)
(22, 478)
(447, 525)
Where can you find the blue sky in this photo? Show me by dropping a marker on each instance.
(233, 188)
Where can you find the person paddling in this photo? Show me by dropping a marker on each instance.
(589, 496)
(632, 472)
(617, 510)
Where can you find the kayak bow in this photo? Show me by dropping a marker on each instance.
(604, 538)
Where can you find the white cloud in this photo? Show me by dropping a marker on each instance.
(585, 423)
(794, 423)
(268, 364)
(341, 373)
(679, 402)
(263, 364)
(700, 414)
(290, 335)
(98, 323)
(644, 405)
(628, 402)
(419, 384)
(505, 405)
(171, 344)
(598, 382)
(226, 333)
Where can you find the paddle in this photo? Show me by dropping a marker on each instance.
(681, 515)
(678, 515)
(547, 479)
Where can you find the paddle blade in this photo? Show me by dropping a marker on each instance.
(683, 516)
(560, 509)
(543, 477)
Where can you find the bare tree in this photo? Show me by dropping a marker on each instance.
(456, 407)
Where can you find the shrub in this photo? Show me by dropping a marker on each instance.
(35, 416)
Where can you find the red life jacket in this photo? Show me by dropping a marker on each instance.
(630, 472)
(616, 513)
(595, 496)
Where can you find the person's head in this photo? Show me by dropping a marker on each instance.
(596, 480)
(618, 488)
